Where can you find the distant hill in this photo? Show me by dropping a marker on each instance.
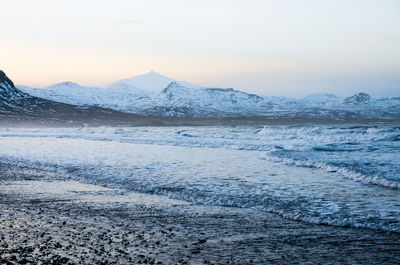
(17, 106)
(158, 95)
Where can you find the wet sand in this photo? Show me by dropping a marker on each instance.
(45, 219)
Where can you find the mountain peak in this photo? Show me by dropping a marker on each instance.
(8, 92)
(152, 82)
(66, 84)
(174, 84)
(360, 98)
(5, 81)
(151, 73)
(173, 87)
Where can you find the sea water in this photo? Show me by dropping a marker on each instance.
(342, 175)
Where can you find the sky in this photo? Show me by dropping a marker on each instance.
(281, 48)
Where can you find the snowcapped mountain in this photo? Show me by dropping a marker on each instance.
(158, 95)
(65, 92)
(129, 95)
(8, 92)
(151, 82)
(178, 100)
(10, 96)
(360, 98)
(73, 93)
(321, 100)
(16, 106)
(119, 97)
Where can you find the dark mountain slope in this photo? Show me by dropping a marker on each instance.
(17, 106)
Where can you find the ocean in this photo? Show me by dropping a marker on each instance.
(339, 175)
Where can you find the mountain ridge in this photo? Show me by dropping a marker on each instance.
(18, 107)
(152, 82)
(178, 100)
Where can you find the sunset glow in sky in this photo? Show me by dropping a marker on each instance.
(287, 47)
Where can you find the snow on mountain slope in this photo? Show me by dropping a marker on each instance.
(15, 103)
(152, 82)
(177, 100)
(321, 99)
(174, 100)
(120, 97)
(364, 104)
(66, 92)
(8, 92)
(360, 98)
(130, 95)
(10, 96)
(181, 99)
(125, 88)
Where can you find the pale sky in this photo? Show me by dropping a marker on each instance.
(281, 47)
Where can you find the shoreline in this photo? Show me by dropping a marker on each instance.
(131, 120)
(48, 219)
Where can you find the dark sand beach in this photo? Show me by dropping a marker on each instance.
(46, 219)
